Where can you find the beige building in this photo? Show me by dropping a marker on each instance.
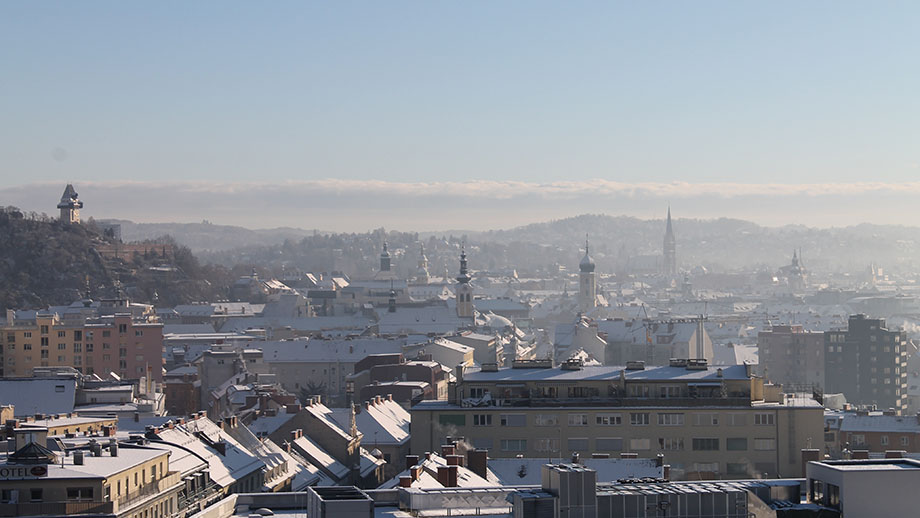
(791, 356)
(708, 422)
(128, 345)
(100, 478)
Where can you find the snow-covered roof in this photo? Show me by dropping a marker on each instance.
(880, 423)
(526, 471)
(381, 422)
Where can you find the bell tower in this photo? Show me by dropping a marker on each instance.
(464, 289)
(587, 282)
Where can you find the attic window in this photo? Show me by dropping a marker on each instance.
(59, 388)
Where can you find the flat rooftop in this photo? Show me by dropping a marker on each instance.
(871, 464)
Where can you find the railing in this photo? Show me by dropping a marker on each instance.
(621, 402)
(56, 508)
(148, 490)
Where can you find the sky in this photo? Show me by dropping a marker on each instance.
(461, 114)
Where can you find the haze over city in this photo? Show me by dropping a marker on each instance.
(503, 259)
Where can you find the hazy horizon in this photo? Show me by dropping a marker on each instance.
(352, 206)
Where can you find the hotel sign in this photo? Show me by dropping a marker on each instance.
(13, 472)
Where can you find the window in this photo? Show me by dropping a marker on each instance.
(452, 419)
(763, 419)
(671, 419)
(478, 392)
(27, 334)
(638, 418)
(59, 388)
(89, 348)
(765, 444)
(705, 444)
(671, 443)
(77, 348)
(578, 419)
(44, 330)
(44, 355)
(35, 494)
(546, 420)
(482, 419)
(106, 333)
(78, 336)
(122, 328)
(737, 468)
(884, 440)
(547, 445)
(513, 420)
(44, 341)
(609, 444)
(62, 347)
(27, 347)
(711, 467)
(578, 444)
(138, 332)
(706, 420)
(736, 420)
(736, 444)
(514, 445)
(482, 443)
(668, 391)
(609, 419)
(79, 493)
(62, 334)
(640, 444)
(905, 440)
(857, 439)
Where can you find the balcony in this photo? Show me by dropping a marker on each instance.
(56, 508)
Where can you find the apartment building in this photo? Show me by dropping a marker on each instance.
(708, 422)
(867, 362)
(790, 356)
(131, 346)
(98, 478)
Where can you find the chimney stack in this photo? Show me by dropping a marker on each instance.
(455, 460)
(860, 455)
(443, 476)
(895, 454)
(809, 455)
(448, 449)
(411, 460)
(405, 481)
(478, 461)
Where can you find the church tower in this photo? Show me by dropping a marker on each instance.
(669, 268)
(422, 276)
(385, 259)
(587, 283)
(464, 289)
(70, 206)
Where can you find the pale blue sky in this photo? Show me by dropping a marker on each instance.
(768, 92)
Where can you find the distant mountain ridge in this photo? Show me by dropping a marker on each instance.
(207, 236)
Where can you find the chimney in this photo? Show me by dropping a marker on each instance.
(452, 472)
(659, 460)
(411, 460)
(296, 434)
(444, 476)
(809, 455)
(137, 417)
(389, 397)
(455, 460)
(414, 472)
(895, 454)
(427, 455)
(477, 461)
(600, 455)
(448, 449)
(113, 448)
(405, 481)
(576, 458)
(667, 472)
(860, 455)
(629, 455)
